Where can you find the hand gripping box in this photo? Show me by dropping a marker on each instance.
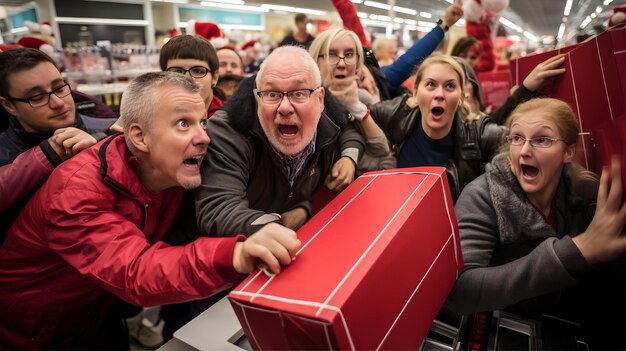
(374, 268)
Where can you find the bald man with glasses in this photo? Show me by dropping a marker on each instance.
(275, 142)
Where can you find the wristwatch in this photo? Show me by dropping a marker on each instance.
(443, 26)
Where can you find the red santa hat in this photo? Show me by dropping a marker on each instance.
(174, 32)
(618, 16)
(207, 30)
(248, 44)
(40, 37)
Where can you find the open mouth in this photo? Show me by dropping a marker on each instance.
(193, 161)
(288, 129)
(340, 76)
(437, 111)
(529, 171)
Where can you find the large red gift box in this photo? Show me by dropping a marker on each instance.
(374, 268)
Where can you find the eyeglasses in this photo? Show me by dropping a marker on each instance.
(349, 58)
(298, 96)
(540, 142)
(43, 98)
(194, 72)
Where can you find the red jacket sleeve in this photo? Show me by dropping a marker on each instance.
(347, 12)
(26, 173)
(84, 227)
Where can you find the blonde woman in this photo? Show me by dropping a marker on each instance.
(430, 127)
(339, 55)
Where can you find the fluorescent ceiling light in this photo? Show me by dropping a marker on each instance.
(233, 7)
(373, 23)
(109, 21)
(233, 2)
(293, 9)
(561, 31)
(598, 9)
(426, 14)
(356, 1)
(405, 10)
(508, 23)
(361, 14)
(398, 20)
(377, 5)
(568, 7)
(410, 21)
(530, 36)
(430, 25)
(606, 2)
(173, 1)
(585, 23)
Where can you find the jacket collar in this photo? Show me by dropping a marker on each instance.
(120, 168)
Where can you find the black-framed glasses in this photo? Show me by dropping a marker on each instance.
(298, 96)
(43, 98)
(194, 72)
(350, 58)
(540, 142)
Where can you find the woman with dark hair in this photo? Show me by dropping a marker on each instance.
(194, 55)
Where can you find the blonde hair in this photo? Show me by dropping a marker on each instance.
(321, 46)
(462, 110)
(442, 59)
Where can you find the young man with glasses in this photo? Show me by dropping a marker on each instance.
(40, 105)
(43, 121)
(195, 57)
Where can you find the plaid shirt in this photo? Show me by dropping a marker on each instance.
(294, 165)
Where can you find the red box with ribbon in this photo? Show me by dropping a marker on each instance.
(374, 268)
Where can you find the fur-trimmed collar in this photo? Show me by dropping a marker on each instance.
(514, 212)
(575, 202)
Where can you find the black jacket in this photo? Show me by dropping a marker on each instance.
(475, 143)
(243, 178)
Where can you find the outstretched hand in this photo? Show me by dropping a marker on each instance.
(454, 12)
(605, 240)
(544, 71)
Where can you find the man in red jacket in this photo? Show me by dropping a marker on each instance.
(90, 237)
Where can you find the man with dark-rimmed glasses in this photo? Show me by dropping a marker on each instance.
(195, 57)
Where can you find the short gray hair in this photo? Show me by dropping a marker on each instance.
(289, 49)
(139, 98)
